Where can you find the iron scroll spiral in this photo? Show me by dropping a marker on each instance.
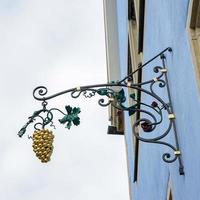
(39, 92)
(152, 113)
(151, 122)
(107, 91)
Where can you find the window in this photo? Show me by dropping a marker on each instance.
(116, 116)
(117, 122)
(135, 78)
(194, 35)
(134, 61)
(169, 191)
(133, 28)
(169, 195)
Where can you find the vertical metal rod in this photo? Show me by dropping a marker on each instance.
(181, 167)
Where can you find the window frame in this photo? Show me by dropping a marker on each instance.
(135, 57)
(193, 29)
(169, 190)
(117, 121)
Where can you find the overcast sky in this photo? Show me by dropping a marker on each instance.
(59, 44)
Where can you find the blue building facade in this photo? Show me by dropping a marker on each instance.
(158, 24)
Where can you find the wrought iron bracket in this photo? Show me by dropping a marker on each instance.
(152, 113)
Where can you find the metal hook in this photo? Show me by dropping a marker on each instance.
(44, 104)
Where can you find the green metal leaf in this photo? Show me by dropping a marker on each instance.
(76, 111)
(120, 96)
(132, 96)
(71, 116)
(68, 109)
(131, 110)
(69, 124)
(64, 119)
(36, 113)
(102, 91)
(76, 121)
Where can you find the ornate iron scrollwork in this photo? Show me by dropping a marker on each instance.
(152, 113)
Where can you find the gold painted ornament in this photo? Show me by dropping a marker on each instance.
(43, 144)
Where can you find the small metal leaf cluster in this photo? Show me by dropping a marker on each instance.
(43, 144)
(71, 116)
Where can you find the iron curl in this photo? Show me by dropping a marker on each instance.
(39, 93)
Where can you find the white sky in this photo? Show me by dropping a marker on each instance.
(59, 44)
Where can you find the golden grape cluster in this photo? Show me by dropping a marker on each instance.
(43, 144)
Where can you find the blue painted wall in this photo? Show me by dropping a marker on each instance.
(165, 25)
(122, 8)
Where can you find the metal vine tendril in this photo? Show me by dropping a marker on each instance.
(152, 114)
